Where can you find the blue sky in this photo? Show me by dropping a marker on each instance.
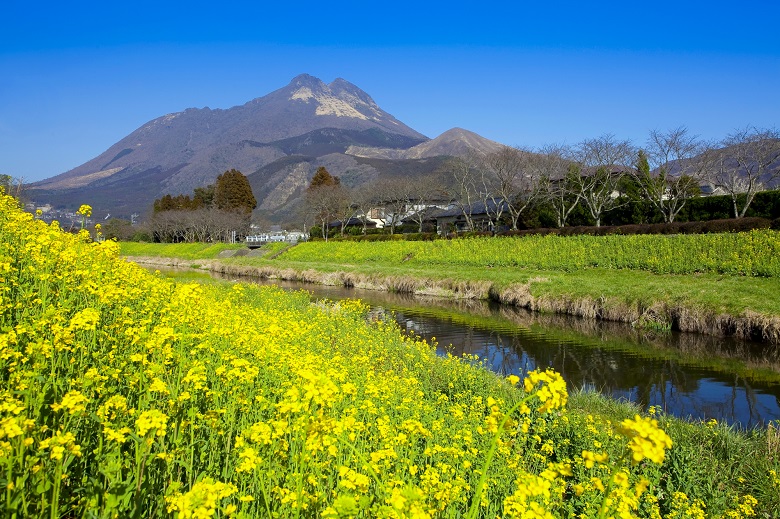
(75, 77)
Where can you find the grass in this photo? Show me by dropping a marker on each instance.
(191, 251)
(706, 302)
(720, 293)
(127, 395)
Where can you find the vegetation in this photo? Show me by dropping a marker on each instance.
(232, 193)
(218, 212)
(190, 251)
(12, 186)
(124, 394)
(598, 181)
(714, 284)
(756, 253)
(327, 200)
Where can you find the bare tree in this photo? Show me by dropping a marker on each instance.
(604, 161)
(324, 204)
(363, 202)
(345, 210)
(668, 173)
(394, 195)
(427, 191)
(199, 225)
(743, 164)
(509, 183)
(559, 180)
(12, 186)
(465, 193)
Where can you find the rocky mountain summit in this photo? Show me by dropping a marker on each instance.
(277, 140)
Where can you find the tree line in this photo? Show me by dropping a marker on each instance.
(521, 187)
(218, 212)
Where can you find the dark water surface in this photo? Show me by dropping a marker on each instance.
(687, 375)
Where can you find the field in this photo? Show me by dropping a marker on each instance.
(128, 395)
(755, 253)
(713, 284)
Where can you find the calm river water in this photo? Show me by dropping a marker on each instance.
(687, 375)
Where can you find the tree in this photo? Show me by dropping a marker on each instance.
(323, 178)
(743, 164)
(325, 200)
(559, 178)
(673, 177)
(425, 192)
(603, 163)
(394, 195)
(12, 186)
(233, 193)
(203, 197)
(465, 192)
(363, 201)
(5, 184)
(509, 183)
(117, 228)
(344, 208)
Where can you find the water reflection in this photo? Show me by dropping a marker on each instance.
(648, 372)
(687, 375)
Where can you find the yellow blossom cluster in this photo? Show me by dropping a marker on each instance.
(124, 394)
(647, 440)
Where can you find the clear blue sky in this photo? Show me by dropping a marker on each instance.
(75, 77)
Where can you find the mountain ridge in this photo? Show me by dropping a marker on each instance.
(178, 151)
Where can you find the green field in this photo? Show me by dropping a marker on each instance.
(128, 395)
(724, 283)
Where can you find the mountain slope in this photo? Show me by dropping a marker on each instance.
(192, 147)
(277, 140)
(455, 142)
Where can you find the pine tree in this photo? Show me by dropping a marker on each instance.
(323, 178)
(233, 193)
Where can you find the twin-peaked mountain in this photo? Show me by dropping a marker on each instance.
(277, 140)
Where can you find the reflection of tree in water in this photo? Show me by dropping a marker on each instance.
(676, 388)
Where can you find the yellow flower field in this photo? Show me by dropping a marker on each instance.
(754, 253)
(127, 395)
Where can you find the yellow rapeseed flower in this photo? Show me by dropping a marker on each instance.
(647, 440)
(149, 420)
(549, 387)
(202, 501)
(74, 402)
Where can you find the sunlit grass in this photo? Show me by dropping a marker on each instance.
(128, 395)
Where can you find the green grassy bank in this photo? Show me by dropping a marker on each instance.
(713, 284)
(125, 394)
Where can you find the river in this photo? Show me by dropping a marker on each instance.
(687, 375)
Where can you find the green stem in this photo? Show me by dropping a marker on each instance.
(474, 508)
(603, 508)
(55, 493)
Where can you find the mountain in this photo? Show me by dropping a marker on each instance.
(455, 142)
(277, 140)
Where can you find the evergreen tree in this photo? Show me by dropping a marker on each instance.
(233, 193)
(323, 178)
(164, 204)
(203, 197)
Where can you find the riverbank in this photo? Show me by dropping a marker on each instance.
(710, 303)
(126, 392)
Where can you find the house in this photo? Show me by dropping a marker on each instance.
(353, 223)
(396, 211)
(708, 189)
(481, 214)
